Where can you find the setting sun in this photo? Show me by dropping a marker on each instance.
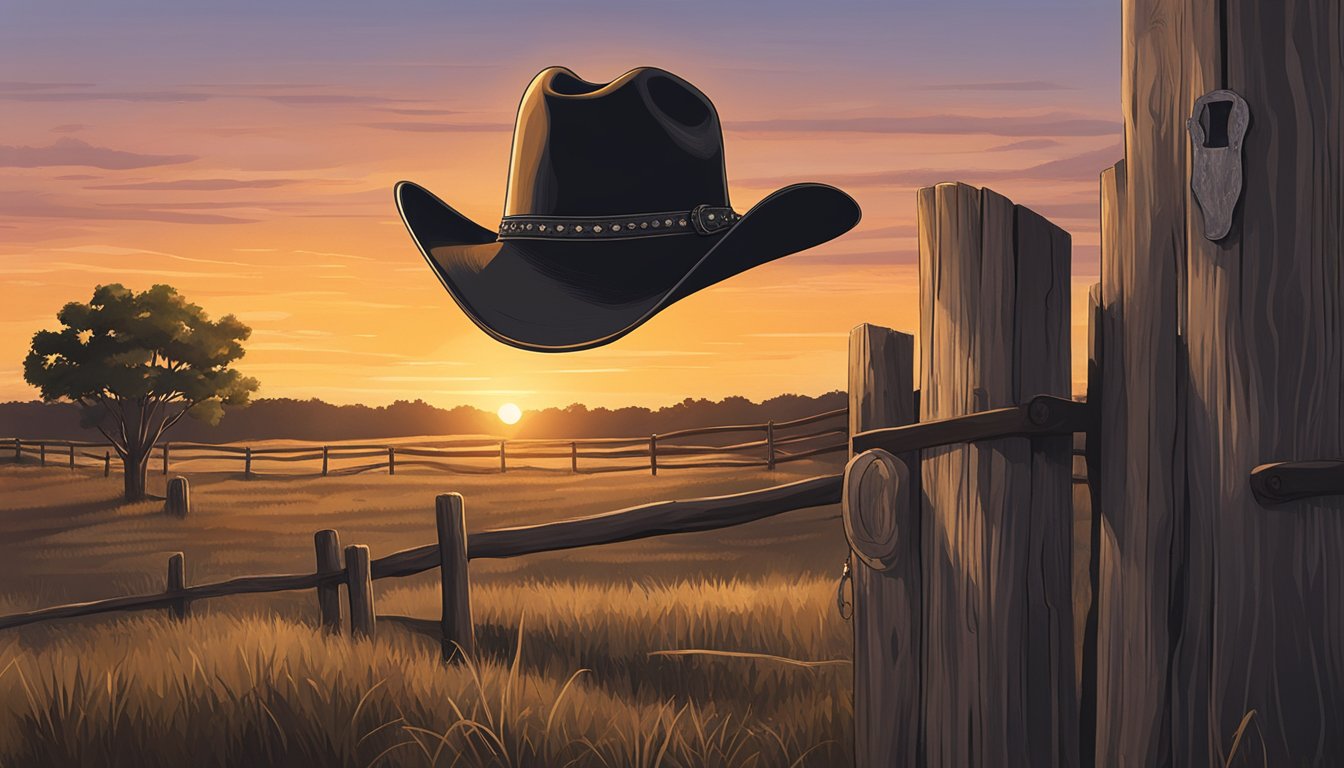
(510, 413)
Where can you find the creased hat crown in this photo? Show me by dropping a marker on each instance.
(645, 142)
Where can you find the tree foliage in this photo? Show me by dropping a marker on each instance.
(138, 362)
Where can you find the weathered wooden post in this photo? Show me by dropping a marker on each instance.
(653, 454)
(391, 460)
(71, 446)
(178, 502)
(574, 457)
(359, 589)
(997, 515)
(455, 589)
(42, 454)
(503, 467)
(770, 445)
(1218, 357)
(107, 463)
(177, 581)
(327, 544)
(247, 463)
(325, 450)
(165, 459)
(888, 628)
(18, 450)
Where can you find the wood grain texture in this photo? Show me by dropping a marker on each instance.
(176, 582)
(178, 501)
(1265, 629)
(997, 514)
(327, 547)
(1142, 452)
(888, 636)
(359, 590)
(458, 632)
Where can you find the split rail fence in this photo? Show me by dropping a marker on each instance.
(778, 442)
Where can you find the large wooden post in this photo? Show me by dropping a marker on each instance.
(454, 586)
(887, 615)
(997, 516)
(1221, 356)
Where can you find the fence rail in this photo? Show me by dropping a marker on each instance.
(778, 442)
(656, 519)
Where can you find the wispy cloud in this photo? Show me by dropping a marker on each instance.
(116, 250)
(406, 379)
(876, 233)
(1077, 168)
(209, 185)
(414, 127)
(800, 335)
(1002, 85)
(591, 370)
(23, 205)
(1049, 124)
(1017, 146)
(70, 151)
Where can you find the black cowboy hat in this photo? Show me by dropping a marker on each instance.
(617, 206)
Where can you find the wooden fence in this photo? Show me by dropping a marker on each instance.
(451, 554)
(778, 442)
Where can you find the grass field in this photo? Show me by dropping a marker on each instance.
(571, 667)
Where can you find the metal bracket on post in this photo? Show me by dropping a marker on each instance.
(1217, 127)
(1286, 481)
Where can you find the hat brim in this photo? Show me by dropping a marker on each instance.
(565, 296)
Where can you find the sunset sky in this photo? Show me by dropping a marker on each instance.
(245, 152)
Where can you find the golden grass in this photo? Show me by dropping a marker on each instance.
(231, 690)
(250, 681)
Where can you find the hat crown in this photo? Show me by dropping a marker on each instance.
(645, 142)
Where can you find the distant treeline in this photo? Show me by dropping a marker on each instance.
(283, 418)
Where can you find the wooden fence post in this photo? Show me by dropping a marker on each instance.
(165, 459)
(247, 463)
(42, 454)
(454, 586)
(502, 466)
(107, 463)
(770, 445)
(18, 450)
(574, 457)
(359, 589)
(178, 502)
(177, 581)
(325, 450)
(327, 544)
(391, 460)
(653, 454)
(887, 615)
(1218, 357)
(997, 516)
(72, 455)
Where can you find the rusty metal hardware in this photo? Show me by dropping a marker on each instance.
(1042, 415)
(1217, 128)
(842, 603)
(1286, 481)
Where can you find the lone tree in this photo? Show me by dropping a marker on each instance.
(137, 363)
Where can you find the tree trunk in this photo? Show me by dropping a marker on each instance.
(135, 466)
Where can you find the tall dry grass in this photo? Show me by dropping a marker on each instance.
(564, 676)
